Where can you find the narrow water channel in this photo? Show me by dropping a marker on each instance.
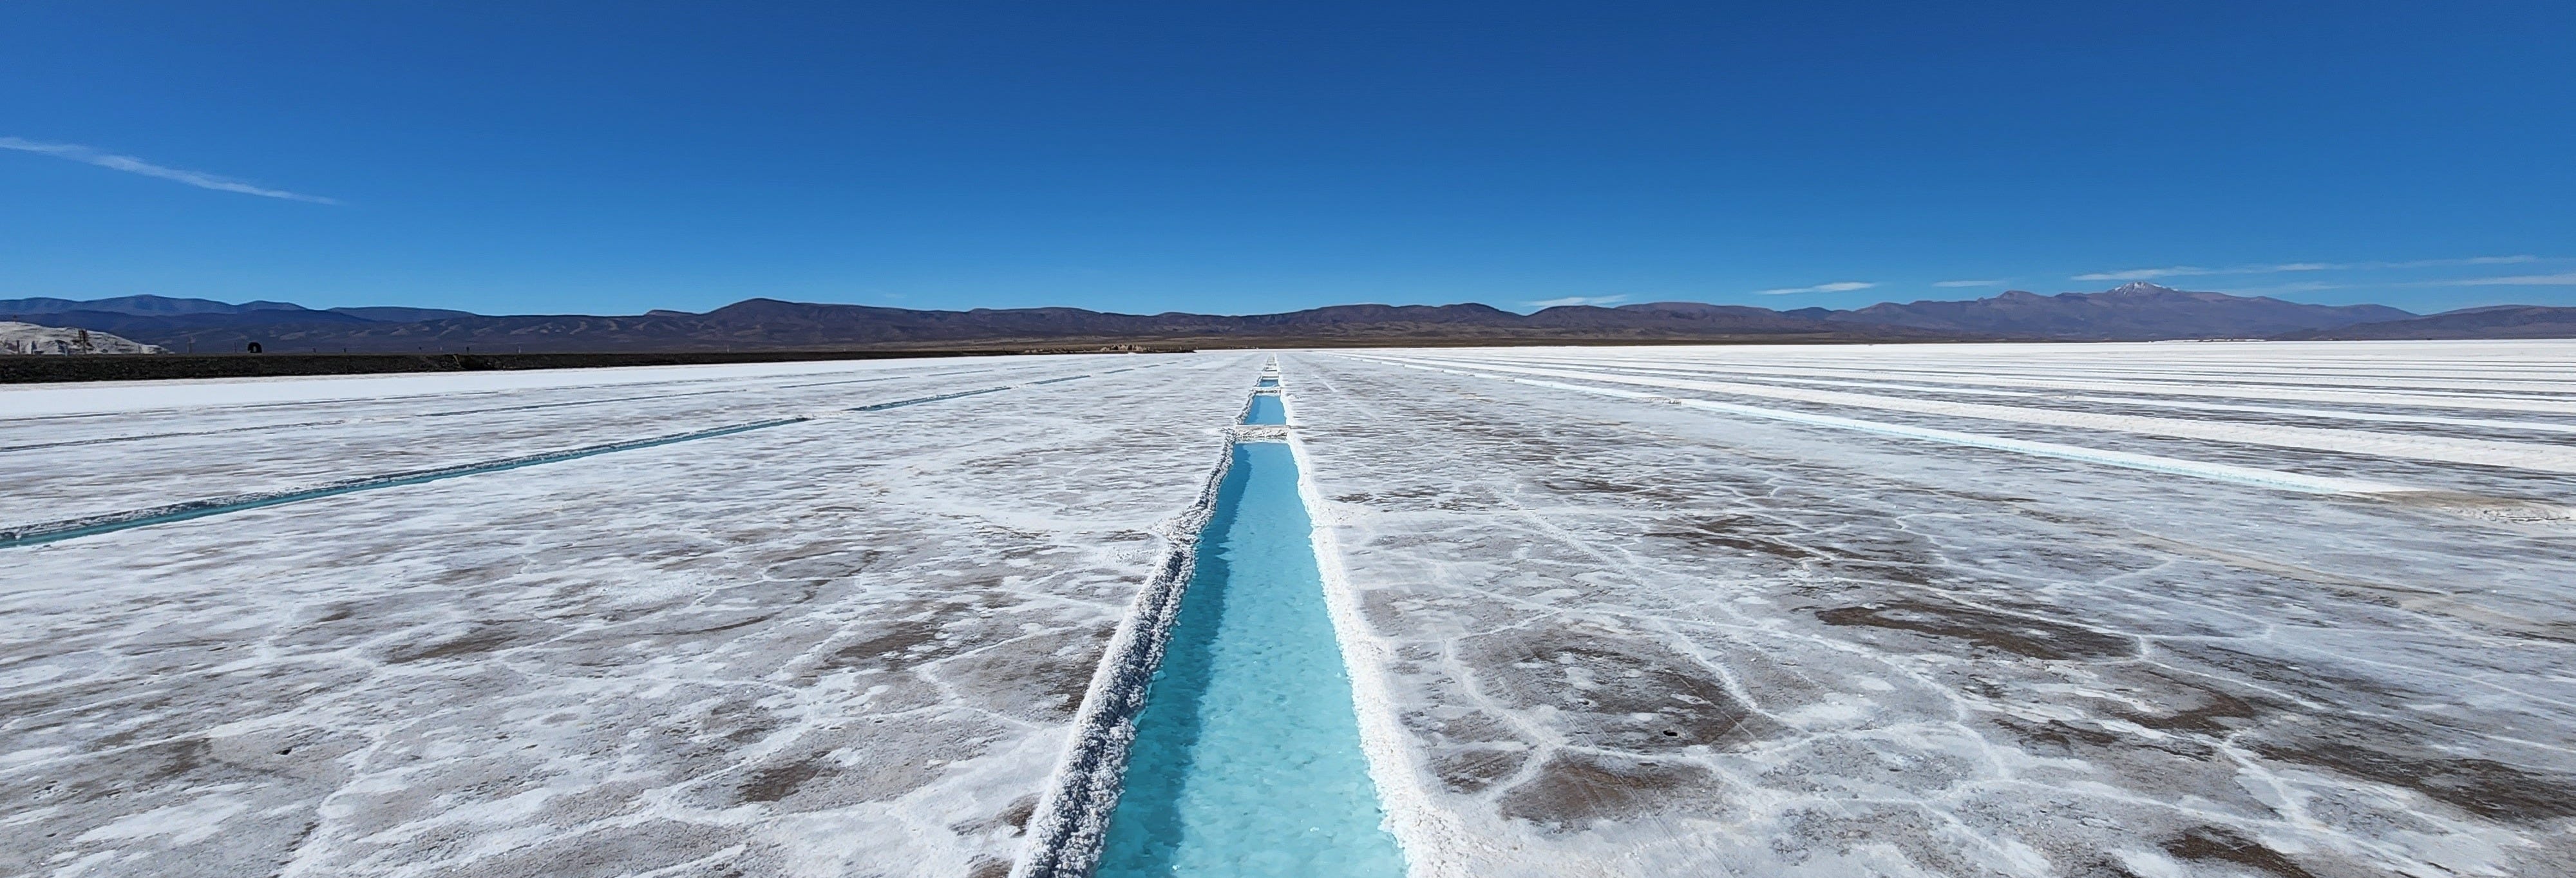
(1266, 409)
(1247, 755)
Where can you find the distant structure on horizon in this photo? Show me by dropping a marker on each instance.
(29, 338)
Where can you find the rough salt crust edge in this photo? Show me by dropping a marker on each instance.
(1425, 833)
(1072, 818)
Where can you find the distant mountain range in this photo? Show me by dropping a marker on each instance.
(2500, 321)
(2137, 311)
(2133, 312)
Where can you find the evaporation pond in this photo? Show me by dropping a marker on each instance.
(1266, 409)
(1247, 757)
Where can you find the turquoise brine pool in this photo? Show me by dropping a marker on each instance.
(1266, 409)
(1247, 756)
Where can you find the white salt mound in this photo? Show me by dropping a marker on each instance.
(29, 338)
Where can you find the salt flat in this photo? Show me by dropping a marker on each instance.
(1960, 610)
(847, 646)
(1663, 611)
(100, 449)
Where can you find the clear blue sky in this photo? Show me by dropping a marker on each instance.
(615, 157)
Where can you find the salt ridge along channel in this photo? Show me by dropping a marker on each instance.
(1247, 757)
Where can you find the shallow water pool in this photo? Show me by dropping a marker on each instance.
(1247, 756)
(1266, 409)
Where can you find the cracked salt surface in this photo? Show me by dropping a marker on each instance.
(1619, 637)
(291, 437)
(1587, 635)
(849, 646)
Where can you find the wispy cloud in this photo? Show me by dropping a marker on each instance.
(2561, 279)
(2473, 260)
(1969, 283)
(2145, 273)
(2370, 266)
(1577, 300)
(132, 165)
(2305, 286)
(1843, 286)
(2277, 267)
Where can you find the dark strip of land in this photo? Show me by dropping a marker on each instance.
(36, 369)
